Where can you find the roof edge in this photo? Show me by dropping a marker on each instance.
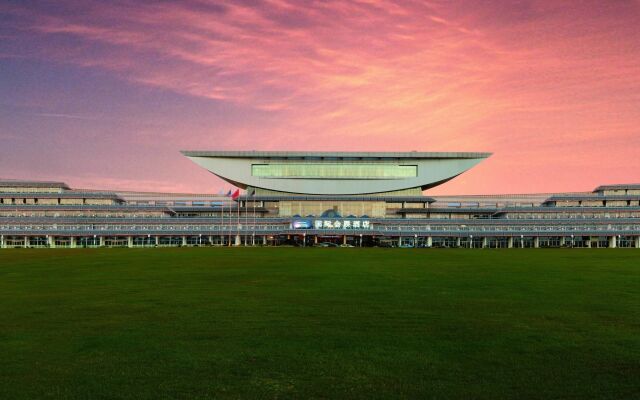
(346, 154)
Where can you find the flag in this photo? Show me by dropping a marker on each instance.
(235, 194)
(253, 192)
(229, 193)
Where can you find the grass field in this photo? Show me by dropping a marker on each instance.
(319, 323)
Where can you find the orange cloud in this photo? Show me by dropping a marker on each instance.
(551, 89)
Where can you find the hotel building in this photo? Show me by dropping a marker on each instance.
(317, 198)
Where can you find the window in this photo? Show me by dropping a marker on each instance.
(334, 171)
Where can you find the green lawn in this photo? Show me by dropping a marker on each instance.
(320, 323)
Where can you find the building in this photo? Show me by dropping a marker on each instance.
(331, 174)
(311, 198)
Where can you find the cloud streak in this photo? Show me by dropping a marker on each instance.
(528, 80)
(64, 116)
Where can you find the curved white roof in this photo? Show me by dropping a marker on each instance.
(410, 170)
(332, 154)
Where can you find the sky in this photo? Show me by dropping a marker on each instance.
(105, 94)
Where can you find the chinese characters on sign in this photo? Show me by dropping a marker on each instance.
(341, 224)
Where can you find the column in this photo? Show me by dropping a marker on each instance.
(536, 242)
(237, 243)
(484, 242)
(589, 242)
(637, 242)
(101, 241)
(264, 240)
(458, 241)
(129, 241)
(72, 242)
(344, 239)
(51, 241)
(613, 242)
(429, 241)
(562, 241)
(315, 239)
(184, 240)
(2, 245)
(510, 242)
(26, 241)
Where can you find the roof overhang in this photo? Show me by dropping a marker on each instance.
(432, 169)
(336, 155)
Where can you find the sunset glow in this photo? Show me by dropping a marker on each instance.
(104, 95)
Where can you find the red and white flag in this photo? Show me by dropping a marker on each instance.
(235, 194)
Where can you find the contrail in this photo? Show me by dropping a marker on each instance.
(68, 116)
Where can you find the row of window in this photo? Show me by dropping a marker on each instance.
(629, 214)
(43, 214)
(499, 228)
(334, 170)
(139, 227)
(279, 227)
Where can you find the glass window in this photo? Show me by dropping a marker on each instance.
(334, 171)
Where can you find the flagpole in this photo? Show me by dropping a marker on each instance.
(238, 226)
(222, 222)
(246, 218)
(253, 238)
(230, 216)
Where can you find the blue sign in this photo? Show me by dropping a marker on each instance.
(302, 224)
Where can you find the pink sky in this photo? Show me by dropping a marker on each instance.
(104, 95)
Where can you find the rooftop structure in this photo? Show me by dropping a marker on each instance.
(15, 185)
(633, 188)
(335, 173)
